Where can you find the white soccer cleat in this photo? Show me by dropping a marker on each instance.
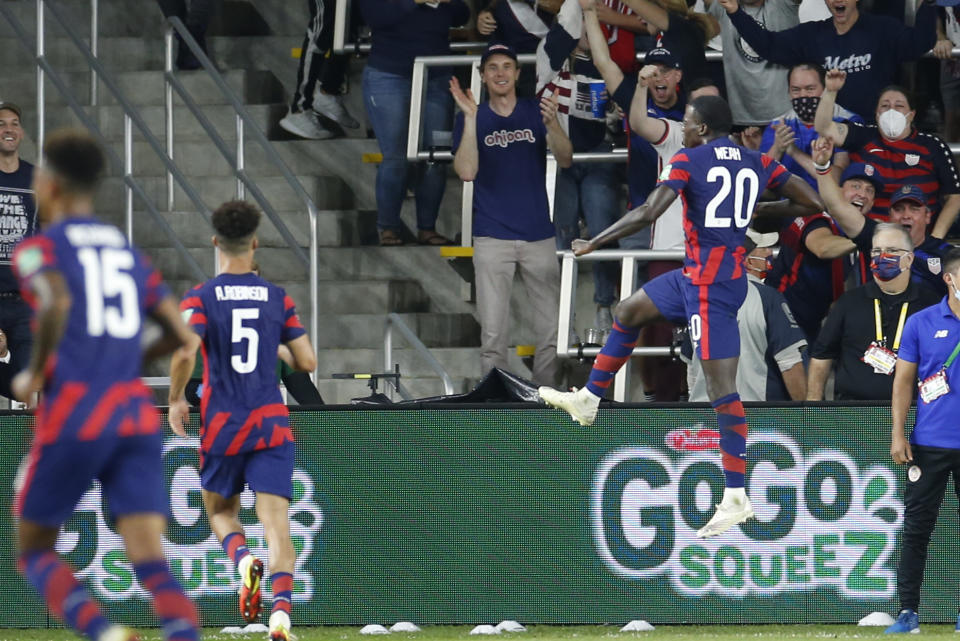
(280, 626)
(119, 633)
(581, 405)
(729, 513)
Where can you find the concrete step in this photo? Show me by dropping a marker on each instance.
(186, 128)
(334, 228)
(254, 86)
(365, 330)
(229, 18)
(327, 193)
(333, 297)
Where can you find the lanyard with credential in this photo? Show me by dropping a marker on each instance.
(953, 357)
(879, 324)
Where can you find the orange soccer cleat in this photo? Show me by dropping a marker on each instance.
(250, 591)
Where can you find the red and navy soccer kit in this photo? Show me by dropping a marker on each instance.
(245, 435)
(97, 419)
(719, 184)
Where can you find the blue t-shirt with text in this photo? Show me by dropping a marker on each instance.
(509, 191)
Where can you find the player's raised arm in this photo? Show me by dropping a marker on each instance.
(50, 317)
(636, 219)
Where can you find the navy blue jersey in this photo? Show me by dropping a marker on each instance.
(18, 218)
(242, 320)
(509, 191)
(720, 183)
(93, 385)
(809, 284)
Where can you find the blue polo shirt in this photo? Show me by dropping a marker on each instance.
(929, 337)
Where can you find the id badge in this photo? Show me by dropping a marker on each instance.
(934, 387)
(881, 359)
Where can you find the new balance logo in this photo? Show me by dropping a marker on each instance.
(941, 333)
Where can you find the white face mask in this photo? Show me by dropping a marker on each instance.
(892, 123)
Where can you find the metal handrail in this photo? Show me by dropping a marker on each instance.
(244, 123)
(395, 322)
(131, 117)
(568, 295)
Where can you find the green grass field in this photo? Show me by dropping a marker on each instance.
(545, 633)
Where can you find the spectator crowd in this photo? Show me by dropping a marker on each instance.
(830, 291)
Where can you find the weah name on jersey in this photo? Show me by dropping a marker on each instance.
(727, 153)
(241, 292)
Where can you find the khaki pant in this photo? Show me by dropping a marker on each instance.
(495, 262)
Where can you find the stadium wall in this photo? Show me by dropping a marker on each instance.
(479, 515)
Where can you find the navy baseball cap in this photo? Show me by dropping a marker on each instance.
(908, 192)
(497, 47)
(865, 171)
(661, 56)
(16, 108)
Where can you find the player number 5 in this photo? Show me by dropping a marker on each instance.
(746, 181)
(248, 362)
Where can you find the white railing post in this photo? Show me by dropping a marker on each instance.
(128, 173)
(241, 164)
(168, 109)
(628, 278)
(568, 297)
(41, 47)
(94, 47)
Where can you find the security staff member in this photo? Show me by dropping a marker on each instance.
(929, 359)
(864, 328)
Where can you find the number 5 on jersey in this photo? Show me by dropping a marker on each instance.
(244, 364)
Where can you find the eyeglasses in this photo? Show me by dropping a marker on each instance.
(896, 251)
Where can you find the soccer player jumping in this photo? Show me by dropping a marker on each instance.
(243, 323)
(720, 184)
(90, 290)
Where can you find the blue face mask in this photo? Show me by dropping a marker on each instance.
(885, 266)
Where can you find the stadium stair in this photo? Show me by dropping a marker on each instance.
(359, 281)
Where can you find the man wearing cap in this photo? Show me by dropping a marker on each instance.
(501, 147)
(18, 219)
(809, 269)
(771, 343)
(907, 207)
(864, 329)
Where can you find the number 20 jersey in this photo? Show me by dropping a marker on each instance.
(719, 183)
(93, 387)
(242, 319)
